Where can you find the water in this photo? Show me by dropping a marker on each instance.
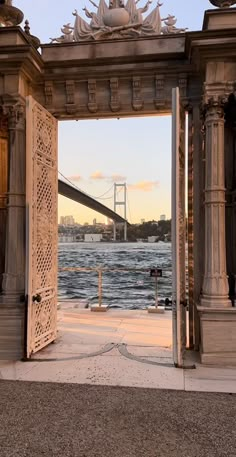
(129, 290)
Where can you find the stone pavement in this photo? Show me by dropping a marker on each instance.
(70, 420)
(117, 348)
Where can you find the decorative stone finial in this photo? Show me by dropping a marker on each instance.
(33, 39)
(27, 27)
(223, 3)
(9, 15)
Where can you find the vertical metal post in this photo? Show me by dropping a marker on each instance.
(156, 283)
(114, 231)
(125, 231)
(100, 287)
(125, 212)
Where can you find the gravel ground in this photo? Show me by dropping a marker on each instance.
(69, 420)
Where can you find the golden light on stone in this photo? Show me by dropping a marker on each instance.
(116, 17)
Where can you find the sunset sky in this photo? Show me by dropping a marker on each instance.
(95, 154)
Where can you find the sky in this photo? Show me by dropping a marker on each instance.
(96, 153)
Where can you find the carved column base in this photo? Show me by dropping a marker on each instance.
(213, 296)
(216, 302)
(12, 282)
(218, 336)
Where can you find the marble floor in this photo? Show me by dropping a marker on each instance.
(117, 348)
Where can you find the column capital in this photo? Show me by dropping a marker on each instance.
(14, 110)
(214, 102)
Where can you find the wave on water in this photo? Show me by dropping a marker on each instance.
(121, 289)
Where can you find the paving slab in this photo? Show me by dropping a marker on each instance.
(210, 379)
(140, 355)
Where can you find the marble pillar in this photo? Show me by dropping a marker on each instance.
(13, 284)
(215, 285)
(190, 228)
(3, 191)
(198, 215)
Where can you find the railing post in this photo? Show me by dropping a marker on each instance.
(100, 287)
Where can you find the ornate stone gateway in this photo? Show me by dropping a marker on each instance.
(41, 231)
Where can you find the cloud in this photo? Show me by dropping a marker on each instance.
(144, 186)
(75, 178)
(117, 178)
(97, 175)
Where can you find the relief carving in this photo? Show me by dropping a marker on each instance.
(92, 96)
(137, 94)
(183, 81)
(115, 96)
(160, 91)
(118, 19)
(70, 97)
(48, 90)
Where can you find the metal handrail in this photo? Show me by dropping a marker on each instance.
(145, 270)
(100, 270)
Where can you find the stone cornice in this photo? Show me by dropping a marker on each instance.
(21, 54)
(204, 45)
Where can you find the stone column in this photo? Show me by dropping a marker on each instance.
(13, 285)
(190, 227)
(3, 191)
(215, 285)
(198, 215)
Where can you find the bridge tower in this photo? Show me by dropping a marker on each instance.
(120, 199)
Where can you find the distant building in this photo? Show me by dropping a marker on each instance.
(66, 238)
(163, 217)
(152, 239)
(94, 221)
(142, 221)
(93, 237)
(67, 220)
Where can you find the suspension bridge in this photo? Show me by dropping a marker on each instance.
(69, 190)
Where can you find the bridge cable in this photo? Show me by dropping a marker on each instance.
(91, 196)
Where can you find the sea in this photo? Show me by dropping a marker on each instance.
(126, 280)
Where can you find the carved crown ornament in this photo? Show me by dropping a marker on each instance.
(9, 14)
(118, 19)
(223, 3)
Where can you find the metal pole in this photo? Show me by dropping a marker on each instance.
(156, 293)
(100, 287)
(125, 212)
(125, 231)
(114, 231)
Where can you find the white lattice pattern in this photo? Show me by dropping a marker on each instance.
(43, 226)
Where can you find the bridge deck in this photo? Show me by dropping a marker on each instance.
(80, 197)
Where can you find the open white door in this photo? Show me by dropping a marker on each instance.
(178, 229)
(41, 233)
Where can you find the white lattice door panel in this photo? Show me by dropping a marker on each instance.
(41, 200)
(178, 229)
